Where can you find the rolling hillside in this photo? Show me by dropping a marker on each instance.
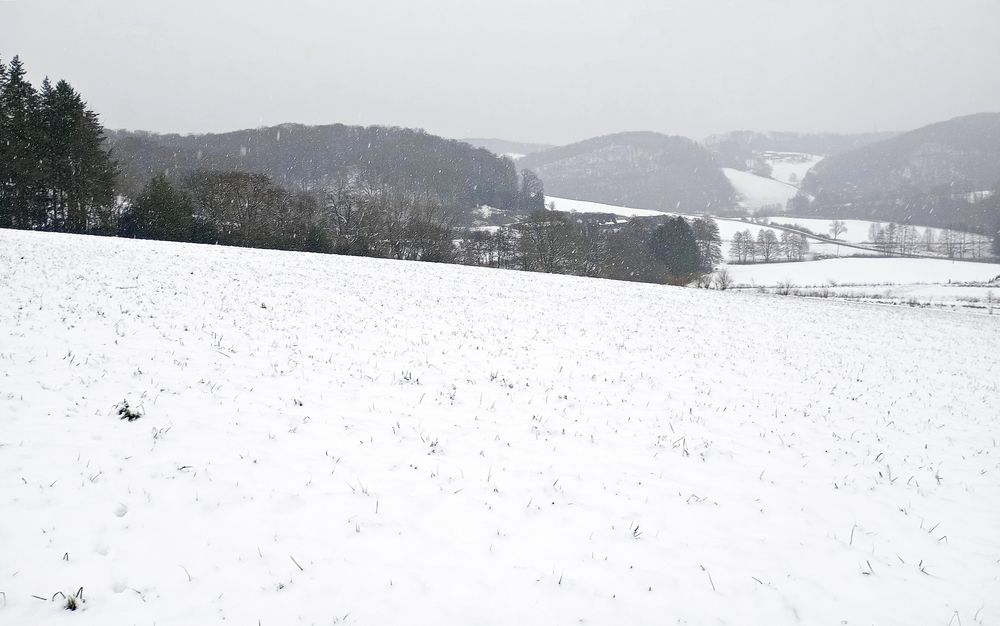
(940, 174)
(641, 169)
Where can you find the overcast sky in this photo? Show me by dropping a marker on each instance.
(547, 71)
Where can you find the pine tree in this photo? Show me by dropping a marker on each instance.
(532, 193)
(55, 171)
(706, 233)
(673, 243)
(20, 195)
(79, 172)
(160, 212)
(6, 218)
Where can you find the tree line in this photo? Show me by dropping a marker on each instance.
(671, 250)
(54, 171)
(357, 218)
(767, 247)
(904, 239)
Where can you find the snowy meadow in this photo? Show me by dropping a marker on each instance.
(323, 440)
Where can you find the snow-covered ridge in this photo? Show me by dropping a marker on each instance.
(342, 440)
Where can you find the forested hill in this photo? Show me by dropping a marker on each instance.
(942, 174)
(320, 157)
(637, 169)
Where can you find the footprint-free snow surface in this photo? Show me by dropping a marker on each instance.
(330, 440)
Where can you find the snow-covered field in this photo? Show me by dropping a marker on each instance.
(584, 206)
(332, 440)
(869, 271)
(976, 298)
(857, 230)
(757, 191)
(729, 227)
(790, 167)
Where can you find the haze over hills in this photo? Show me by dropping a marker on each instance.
(644, 170)
(942, 174)
(506, 147)
(931, 176)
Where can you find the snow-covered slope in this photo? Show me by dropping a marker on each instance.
(757, 191)
(584, 206)
(334, 440)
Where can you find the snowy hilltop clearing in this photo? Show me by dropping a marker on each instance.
(324, 439)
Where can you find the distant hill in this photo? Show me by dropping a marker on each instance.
(942, 174)
(642, 170)
(502, 146)
(409, 161)
(737, 148)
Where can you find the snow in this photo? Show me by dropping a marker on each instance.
(757, 191)
(341, 440)
(729, 227)
(584, 206)
(857, 230)
(865, 271)
(790, 167)
(982, 299)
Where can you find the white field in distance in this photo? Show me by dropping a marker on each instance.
(787, 171)
(329, 439)
(791, 167)
(866, 271)
(755, 191)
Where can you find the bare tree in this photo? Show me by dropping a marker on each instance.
(767, 244)
(837, 228)
(723, 279)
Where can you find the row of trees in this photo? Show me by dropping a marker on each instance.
(768, 247)
(246, 209)
(237, 208)
(54, 171)
(671, 250)
(894, 239)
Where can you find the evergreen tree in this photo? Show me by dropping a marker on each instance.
(55, 170)
(160, 212)
(6, 218)
(673, 243)
(706, 233)
(20, 205)
(532, 192)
